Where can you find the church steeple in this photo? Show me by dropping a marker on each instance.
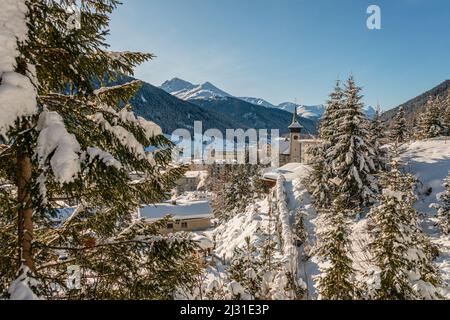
(295, 125)
(295, 145)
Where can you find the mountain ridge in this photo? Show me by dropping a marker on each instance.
(191, 92)
(415, 106)
(171, 113)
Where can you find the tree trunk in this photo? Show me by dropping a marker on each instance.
(25, 212)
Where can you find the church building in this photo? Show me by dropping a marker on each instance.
(294, 149)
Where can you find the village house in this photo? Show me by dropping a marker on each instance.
(186, 216)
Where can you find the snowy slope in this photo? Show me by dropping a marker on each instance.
(256, 223)
(258, 102)
(430, 162)
(316, 112)
(177, 85)
(185, 90)
(309, 112)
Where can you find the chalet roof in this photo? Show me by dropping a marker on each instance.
(181, 211)
(195, 174)
(290, 171)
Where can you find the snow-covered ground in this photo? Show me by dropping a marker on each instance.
(428, 160)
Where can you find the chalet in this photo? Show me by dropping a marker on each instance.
(186, 216)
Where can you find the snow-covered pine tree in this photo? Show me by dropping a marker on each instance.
(320, 187)
(71, 146)
(378, 139)
(246, 269)
(399, 128)
(319, 181)
(351, 155)
(443, 207)
(300, 235)
(430, 124)
(338, 280)
(334, 104)
(400, 250)
(446, 113)
(231, 191)
(235, 186)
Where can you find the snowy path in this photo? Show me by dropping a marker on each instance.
(299, 199)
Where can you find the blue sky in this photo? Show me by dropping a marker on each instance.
(282, 50)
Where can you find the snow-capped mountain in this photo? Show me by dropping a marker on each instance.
(316, 112)
(309, 112)
(370, 112)
(258, 102)
(185, 90)
(177, 85)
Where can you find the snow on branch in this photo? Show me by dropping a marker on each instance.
(17, 94)
(57, 146)
(20, 288)
(126, 138)
(103, 156)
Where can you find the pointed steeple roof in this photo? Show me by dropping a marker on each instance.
(295, 124)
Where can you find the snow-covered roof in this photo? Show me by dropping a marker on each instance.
(182, 210)
(204, 242)
(195, 174)
(285, 144)
(296, 125)
(286, 150)
(290, 172)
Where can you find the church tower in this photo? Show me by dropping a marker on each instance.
(295, 130)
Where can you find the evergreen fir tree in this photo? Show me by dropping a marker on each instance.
(319, 181)
(246, 269)
(334, 104)
(443, 207)
(76, 154)
(338, 280)
(377, 137)
(319, 185)
(299, 227)
(351, 155)
(446, 113)
(430, 124)
(399, 128)
(234, 187)
(400, 250)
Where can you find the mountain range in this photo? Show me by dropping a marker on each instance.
(171, 112)
(178, 103)
(197, 94)
(415, 106)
